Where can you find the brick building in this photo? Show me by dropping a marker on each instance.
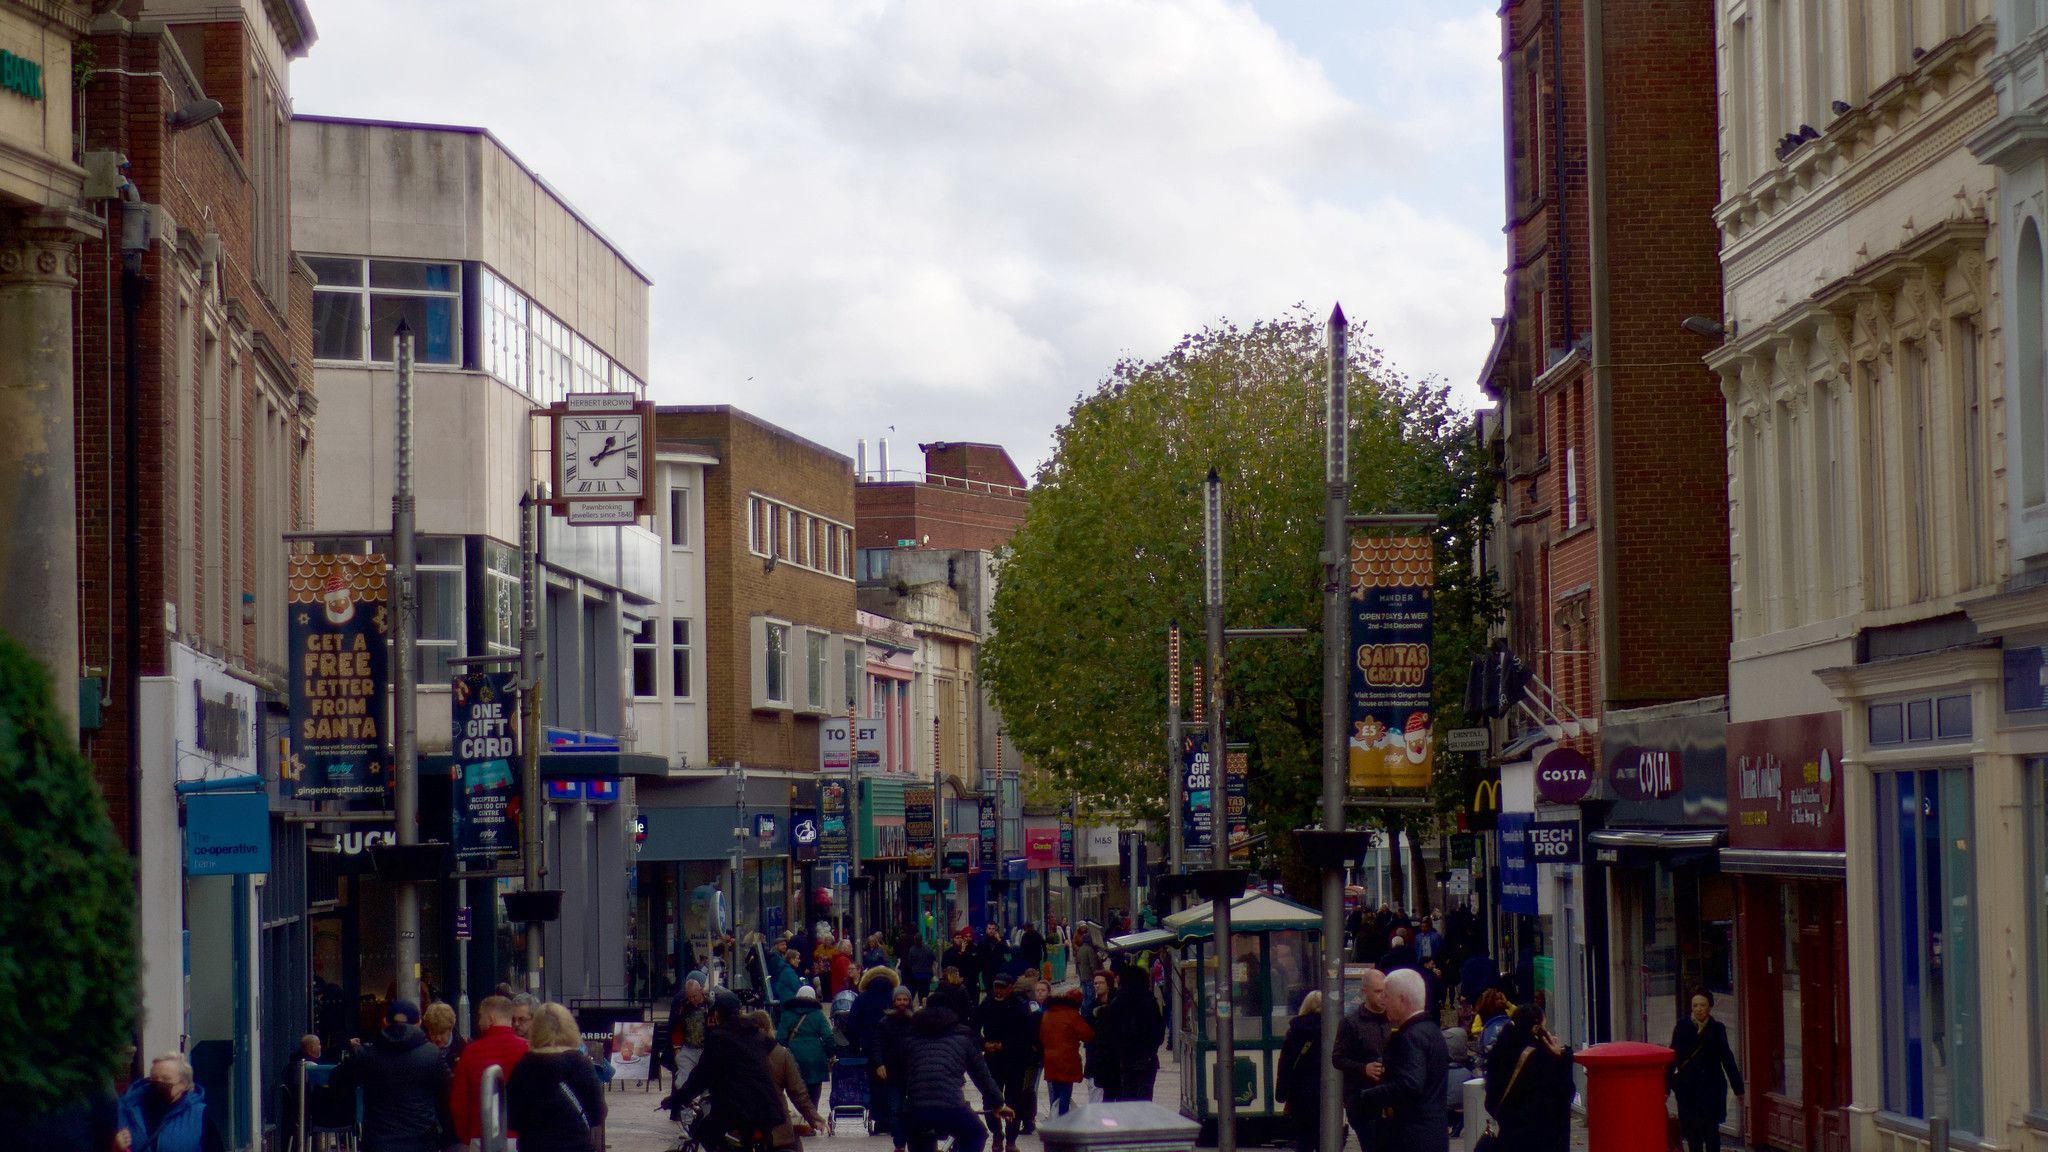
(1615, 526)
(777, 656)
(222, 399)
(970, 496)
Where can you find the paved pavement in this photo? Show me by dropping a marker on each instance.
(635, 1126)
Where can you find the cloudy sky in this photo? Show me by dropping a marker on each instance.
(952, 217)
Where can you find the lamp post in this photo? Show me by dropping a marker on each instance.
(1336, 646)
(405, 674)
(1219, 817)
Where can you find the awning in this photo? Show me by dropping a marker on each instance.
(1257, 912)
(1641, 847)
(1776, 862)
(1140, 941)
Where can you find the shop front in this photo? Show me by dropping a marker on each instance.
(1670, 925)
(1785, 853)
(888, 897)
(689, 888)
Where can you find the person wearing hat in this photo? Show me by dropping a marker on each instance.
(808, 1035)
(404, 1082)
(734, 1070)
(1010, 1042)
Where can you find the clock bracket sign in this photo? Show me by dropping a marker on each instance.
(603, 457)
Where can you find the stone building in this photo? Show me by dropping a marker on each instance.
(1861, 368)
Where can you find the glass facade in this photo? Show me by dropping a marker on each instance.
(530, 349)
(358, 304)
(1927, 936)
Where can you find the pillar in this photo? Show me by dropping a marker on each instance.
(38, 479)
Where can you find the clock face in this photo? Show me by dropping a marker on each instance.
(600, 455)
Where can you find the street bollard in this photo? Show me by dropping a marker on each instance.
(1937, 1134)
(1473, 1092)
(1125, 1126)
(1625, 1096)
(491, 1103)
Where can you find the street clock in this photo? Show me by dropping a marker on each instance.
(601, 455)
(601, 459)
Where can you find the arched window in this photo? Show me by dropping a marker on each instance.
(2028, 378)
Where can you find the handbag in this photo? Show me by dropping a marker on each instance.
(1489, 1140)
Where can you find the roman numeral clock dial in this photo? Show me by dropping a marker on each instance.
(600, 455)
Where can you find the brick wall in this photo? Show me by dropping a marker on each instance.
(935, 516)
(757, 457)
(1669, 529)
(200, 177)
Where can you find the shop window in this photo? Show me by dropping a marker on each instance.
(1927, 940)
(1787, 1070)
(2036, 808)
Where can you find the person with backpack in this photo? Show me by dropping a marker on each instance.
(552, 1098)
(809, 1037)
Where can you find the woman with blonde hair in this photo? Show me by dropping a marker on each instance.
(552, 1098)
(438, 1022)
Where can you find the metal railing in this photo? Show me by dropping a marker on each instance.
(941, 480)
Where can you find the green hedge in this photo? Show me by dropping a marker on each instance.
(67, 907)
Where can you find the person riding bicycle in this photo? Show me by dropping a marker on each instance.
(745, 1102)
(938, 1052)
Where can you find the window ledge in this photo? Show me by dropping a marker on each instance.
(1579, 529)
(1917, 1129)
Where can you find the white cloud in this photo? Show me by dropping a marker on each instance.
(949, 217)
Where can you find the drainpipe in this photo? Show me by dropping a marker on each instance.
(134, 243)
(1603, 399)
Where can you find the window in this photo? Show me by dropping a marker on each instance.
(1927, 940)
(679, 517)
(1753, 528)
(1778, 82)
(1741, 131)
(358, 304)
(1573, 505)
(644, 663)
(440, 586)
(1827, 494)
(501, 599)
(852, 653)
(508, 334)
(775, 664)
(801, 538)
(1791, 516)
(2033, 368)
(1814, 32)
(1971, 541)
(679, 659)
(1876, 533)
(814, 670)
(1915, 398)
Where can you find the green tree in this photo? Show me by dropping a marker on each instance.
(67, 924)
(1110, 554)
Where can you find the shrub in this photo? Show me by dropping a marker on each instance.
(67, 907)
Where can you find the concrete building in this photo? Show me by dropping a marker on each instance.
(192, 434)
(1861, 372)
(1613, 554)
(43, 216)
(773, 653)
(514, 300)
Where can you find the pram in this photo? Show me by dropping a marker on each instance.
(849, 1094)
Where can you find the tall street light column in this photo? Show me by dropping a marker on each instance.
(1219, 817)
(1336, 646)
(405, 674)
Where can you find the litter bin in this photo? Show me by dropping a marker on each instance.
(1126, 1126)
(1625, 1096)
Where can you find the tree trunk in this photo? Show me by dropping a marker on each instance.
(1424, 878)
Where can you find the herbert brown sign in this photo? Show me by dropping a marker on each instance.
(1785, 783)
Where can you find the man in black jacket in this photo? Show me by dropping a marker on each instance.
(995, 958)
(953, 993)
(744, 1097)
(1361, 1038)
(938, 1053)
(1009, 1039)
(404, 1082)
(1409, 1081)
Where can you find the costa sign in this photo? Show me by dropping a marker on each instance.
(1647, 773)
(1563, 776)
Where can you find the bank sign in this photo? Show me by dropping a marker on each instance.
(21, 76)
(339, 631)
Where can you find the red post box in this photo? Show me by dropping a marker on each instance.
(1625, 1097)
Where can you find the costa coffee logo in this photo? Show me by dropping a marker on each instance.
(1647, 773)
(1563, 776)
